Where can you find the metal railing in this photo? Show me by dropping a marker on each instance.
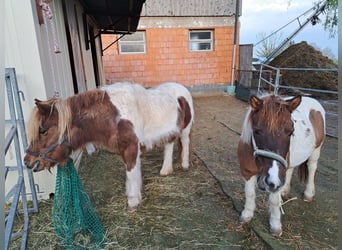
(274, 78)
(16, 197)
(270, 80)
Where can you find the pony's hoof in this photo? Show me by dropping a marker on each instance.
(185, 169)
(165, 173)
(132, 209)
(307, 199)
(276, 232)
(245, 220)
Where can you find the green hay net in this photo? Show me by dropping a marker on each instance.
(75, 220)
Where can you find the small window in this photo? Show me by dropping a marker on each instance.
(201, 40)
(133, 44)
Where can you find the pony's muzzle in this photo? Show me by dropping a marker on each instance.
(261, 182)
(265, 183)
(36, 166)
(27, 163)
(274, 187)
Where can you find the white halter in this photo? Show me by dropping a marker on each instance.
(268, 154)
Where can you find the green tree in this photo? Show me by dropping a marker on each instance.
(331, 17)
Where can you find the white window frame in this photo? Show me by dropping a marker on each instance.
(132, 39)
(195, 43)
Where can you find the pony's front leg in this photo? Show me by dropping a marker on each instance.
(275, 213)
(248, 211)
(128, 146)
(134, 185)
(167, 163)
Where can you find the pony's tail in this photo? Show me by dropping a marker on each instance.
(303, 172)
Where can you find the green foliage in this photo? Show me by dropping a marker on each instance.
(331, 17)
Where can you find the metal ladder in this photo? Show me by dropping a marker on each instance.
(16, 196)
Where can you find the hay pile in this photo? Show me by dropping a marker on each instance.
(186, 210)
(302, 55)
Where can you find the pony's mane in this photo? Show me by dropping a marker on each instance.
(33, 126)
(86, 99)
(247, 131)
(272, 108)
(36, 118)
(272, 112)
(65, 109)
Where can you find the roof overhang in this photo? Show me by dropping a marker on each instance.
(114, 16)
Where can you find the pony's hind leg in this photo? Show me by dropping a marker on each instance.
(309, 192)
(186, 148)
(248, 211)
(287, 186)
(167, 163)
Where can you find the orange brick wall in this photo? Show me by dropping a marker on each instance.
(168, 58)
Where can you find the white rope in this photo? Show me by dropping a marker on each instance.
(283, 203)
(48, 15)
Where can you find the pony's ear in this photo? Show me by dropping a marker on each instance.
(43, 107)
(294, 103)
(255, 102)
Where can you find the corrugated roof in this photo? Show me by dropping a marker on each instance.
(114, 16)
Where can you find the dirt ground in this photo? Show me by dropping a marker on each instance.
(199, 209)
(305, 225)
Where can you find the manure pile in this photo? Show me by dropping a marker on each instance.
(302, 55)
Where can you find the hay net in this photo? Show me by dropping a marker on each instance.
(75, 220)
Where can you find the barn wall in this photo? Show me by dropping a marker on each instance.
(22, 50)
(30, 50)
(189, 8)
(168, 57)
(23, 53)
(55, 67)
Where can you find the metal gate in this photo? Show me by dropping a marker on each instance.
(16, 197)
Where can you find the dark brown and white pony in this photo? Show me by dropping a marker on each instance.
(124, 118)
(278, 135)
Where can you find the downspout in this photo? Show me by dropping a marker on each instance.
(237, 7)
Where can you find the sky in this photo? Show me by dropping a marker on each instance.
(267, 16)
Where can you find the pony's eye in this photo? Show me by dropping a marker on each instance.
(289, 132)
(43, 131)
(257, 132)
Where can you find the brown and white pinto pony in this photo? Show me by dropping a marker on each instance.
(277, 136)
(124, 118)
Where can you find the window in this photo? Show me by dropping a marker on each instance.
(133, 44)
(201, 40)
